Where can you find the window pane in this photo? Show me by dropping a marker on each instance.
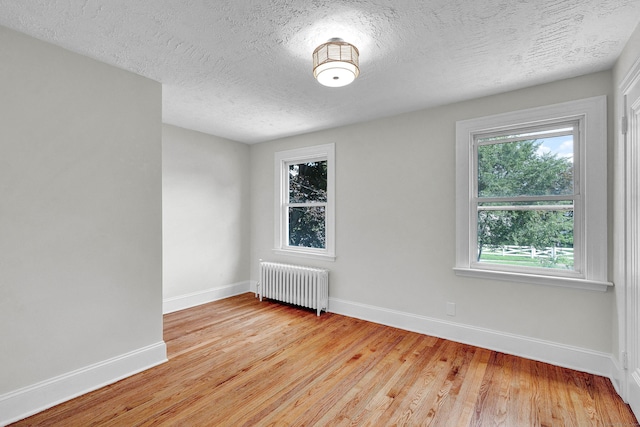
(307, 227)
(526, 238)
(537, 167)
(308, 182)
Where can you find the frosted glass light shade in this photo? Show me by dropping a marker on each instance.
(335, 63)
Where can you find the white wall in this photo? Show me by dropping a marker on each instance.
(205, 185)
(80, 221)
(395, 227)
(628, 57)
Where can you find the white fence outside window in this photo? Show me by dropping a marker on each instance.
(530, 252)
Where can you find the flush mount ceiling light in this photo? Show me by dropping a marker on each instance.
(335, 63)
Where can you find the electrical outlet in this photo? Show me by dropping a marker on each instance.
(451, 309)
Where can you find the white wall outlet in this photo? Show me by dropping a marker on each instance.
(451, 309)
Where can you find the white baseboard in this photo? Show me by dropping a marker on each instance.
(567, 356)
(30, 400)
(181, 302)
(617, 377)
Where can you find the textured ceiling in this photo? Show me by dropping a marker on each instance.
(241, 69)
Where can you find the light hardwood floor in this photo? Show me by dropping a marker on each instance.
(240, 362)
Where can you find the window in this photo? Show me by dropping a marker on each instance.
(531, 195)
(305, 201)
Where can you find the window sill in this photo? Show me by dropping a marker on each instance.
(565, 282)
(304, 254)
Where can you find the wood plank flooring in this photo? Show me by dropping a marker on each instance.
(241, 362)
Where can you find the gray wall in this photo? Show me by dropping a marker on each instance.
(205, 181)
(395, 229)
(80, 211)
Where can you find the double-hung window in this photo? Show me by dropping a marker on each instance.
(305, 201)
(531, 195)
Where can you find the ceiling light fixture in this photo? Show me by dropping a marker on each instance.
(335, 63)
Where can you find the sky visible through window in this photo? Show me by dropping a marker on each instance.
(562, 146)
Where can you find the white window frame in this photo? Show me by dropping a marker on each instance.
(590, 228)
(282, 161)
